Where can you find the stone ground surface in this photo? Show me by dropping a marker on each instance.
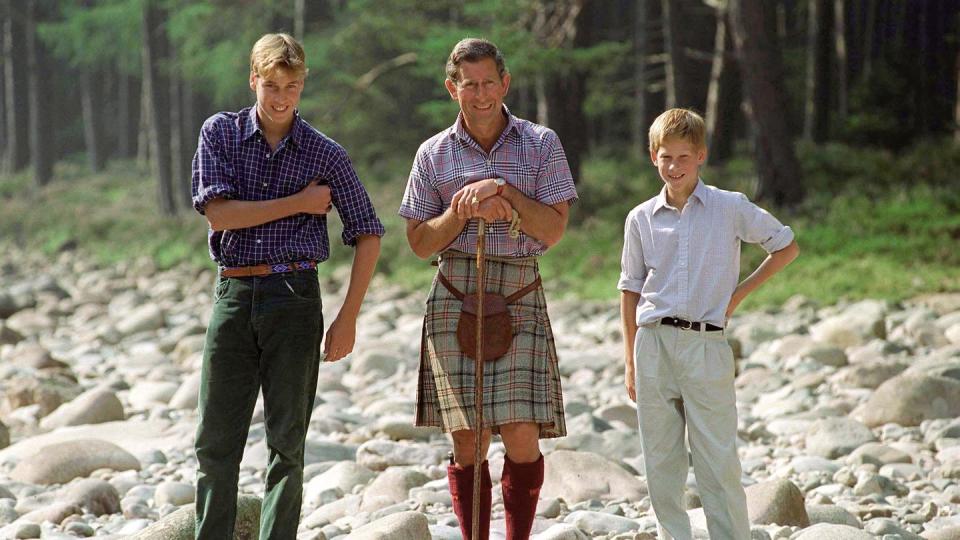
(848, 417)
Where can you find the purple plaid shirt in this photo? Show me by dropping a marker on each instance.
(527, 155)
(234, 161)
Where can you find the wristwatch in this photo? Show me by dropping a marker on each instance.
(500, 182)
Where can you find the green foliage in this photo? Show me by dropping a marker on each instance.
(105, 215)
(106, 34)
(213, 41)
(881, 107)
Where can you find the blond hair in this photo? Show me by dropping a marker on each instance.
(274, 51)
(678, 123)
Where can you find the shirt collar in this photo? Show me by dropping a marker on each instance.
(252, 126)
(460, 131)
(700, 193)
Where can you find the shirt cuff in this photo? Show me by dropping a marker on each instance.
(206, 195)
(778, 241)
(371, 228)
(630, 284)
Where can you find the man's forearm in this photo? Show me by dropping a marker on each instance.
(225, 214)
(541, 221)
(365, 257)
(431, 236)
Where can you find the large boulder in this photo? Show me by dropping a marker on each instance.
(776, 502)
(344, 476)
(94, 406)
(96, 496)
(61, 462)
(909, 399)
(581, 476)
(400, 526)
(949, 533)
(179, 525)
(598, 523)
(858, 324)
(831, 513)
(835, 437)
(378, 454)
(391, 487)
(830, 531)
(46, 391)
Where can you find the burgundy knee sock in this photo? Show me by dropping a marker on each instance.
(521, 484)
(461, 490)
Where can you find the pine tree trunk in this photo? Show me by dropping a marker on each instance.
(143, 128)
(868, 33)
(123, 135)
(91, 119)
(40, 151)
(299, 18)
(4, 142)
(670, 66)
(840, 48)
(15, 100)
(758, 51)
(816, 118)
(155, 48)
(956, 105)
(638, 124)
(177, 158)
(543, 108)
(723, 95)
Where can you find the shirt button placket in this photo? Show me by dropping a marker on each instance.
(683, 272)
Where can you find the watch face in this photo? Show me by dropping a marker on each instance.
(499, 181)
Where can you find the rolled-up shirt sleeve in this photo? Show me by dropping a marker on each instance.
(351, 200)
(421, 199)
(555, 181)
(211, 175)
(757, 226)
(633, 271)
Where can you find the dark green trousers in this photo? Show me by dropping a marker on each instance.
(265, 332)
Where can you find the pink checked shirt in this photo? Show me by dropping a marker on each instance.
(527, 155)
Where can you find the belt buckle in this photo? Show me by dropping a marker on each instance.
(685, 325)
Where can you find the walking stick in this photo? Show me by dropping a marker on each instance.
(478, 381)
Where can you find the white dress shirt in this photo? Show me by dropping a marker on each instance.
(686, 263)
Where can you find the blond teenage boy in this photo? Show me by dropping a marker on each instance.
(265, 180)
(678, 283)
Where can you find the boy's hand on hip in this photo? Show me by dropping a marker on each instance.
(315, 199)
(339, 340)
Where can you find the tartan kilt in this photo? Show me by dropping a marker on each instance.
(521, 386)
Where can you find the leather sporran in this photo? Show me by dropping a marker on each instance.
(497, 329)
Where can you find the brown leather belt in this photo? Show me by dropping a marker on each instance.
(261, 270)
(687, 325)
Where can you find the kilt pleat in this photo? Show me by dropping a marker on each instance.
(521, 386)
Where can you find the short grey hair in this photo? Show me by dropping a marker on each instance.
(473, 50)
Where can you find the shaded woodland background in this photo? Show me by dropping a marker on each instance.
(121, 79)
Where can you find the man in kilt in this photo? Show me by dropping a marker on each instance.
(513, 174)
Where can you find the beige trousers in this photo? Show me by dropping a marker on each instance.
(685, 380)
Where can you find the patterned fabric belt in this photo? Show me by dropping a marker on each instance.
(687, 325)
(267, 269)
(453, 253)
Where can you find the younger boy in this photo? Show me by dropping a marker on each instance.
(679, 271)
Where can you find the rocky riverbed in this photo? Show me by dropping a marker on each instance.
(848, 417)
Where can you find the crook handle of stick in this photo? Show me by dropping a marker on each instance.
(478, 379)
